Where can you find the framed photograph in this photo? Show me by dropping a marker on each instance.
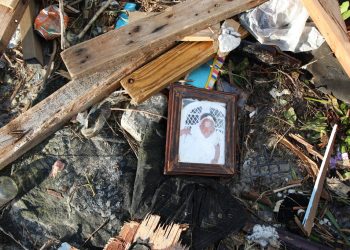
(201, 132)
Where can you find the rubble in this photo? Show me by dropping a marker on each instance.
(104, 143)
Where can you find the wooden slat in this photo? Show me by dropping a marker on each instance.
(311, 210)
(77, 95)
(9, 3)
(326, 15)
(9, 20)
(185, 18)
(168, 68)
(207, 34)
(30, 42)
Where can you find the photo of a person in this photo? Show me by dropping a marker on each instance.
(202, 129)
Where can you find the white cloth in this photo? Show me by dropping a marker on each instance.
(195, 148)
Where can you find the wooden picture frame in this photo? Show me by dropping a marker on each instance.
(194, 113)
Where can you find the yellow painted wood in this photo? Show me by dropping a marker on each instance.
(168, 68)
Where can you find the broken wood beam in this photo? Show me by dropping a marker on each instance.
(9, 22)
(166, 69)
(182, 19)
(326, 15)
(37, 123)
(311, 210)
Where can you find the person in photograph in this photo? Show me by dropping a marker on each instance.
(200, 143)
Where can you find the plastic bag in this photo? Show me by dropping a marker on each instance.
(47, 23)
(282, 23)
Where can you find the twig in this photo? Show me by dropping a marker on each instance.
(287, 187)
(90, 185)
(93, 19)
(91, 235)
(63, 28)
(13, 238)
(140, 111)
(49, 65)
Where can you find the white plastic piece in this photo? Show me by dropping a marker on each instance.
(282, 23)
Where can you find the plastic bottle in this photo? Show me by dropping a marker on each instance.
(123, 18)
(8, 190)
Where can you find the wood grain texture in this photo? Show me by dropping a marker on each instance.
(9, 3)
(183, 19)
(37, 123)
(9, 21)
(207, 34)
(311, 210)
(168, 68)
(31, 45)
(326, 16)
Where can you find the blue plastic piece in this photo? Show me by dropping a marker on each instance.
(123, 17)
(199, 76)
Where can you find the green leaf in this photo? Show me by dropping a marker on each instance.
(290, 115)
(344, 7)
(346, 15)
(317, 100)
(336, 105)
(344, 107)
(346, 175)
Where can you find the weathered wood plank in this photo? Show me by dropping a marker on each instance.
(169, 67)
(9, 3)
(183, 19)
(208, 34)
(9, 20)
(311, 210)
(326, 15)
(30, 42)
(37, 123)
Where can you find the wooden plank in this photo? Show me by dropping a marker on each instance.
(9, 21)
(30, 42)
(185, 18)
(168, 68)
(37, 123)
(9, 3)
(208, 34)
(311, 210)
(326, 15)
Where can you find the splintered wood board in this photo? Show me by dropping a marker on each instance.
(326, 16)
(208, 34)
(30, 42)
(311, 210)
(183, 19)
(168, 68)
(40, 121)
(9, 3)
(9, 19)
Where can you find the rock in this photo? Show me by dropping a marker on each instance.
(328, 75)
(65, 207)
(136, 123)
